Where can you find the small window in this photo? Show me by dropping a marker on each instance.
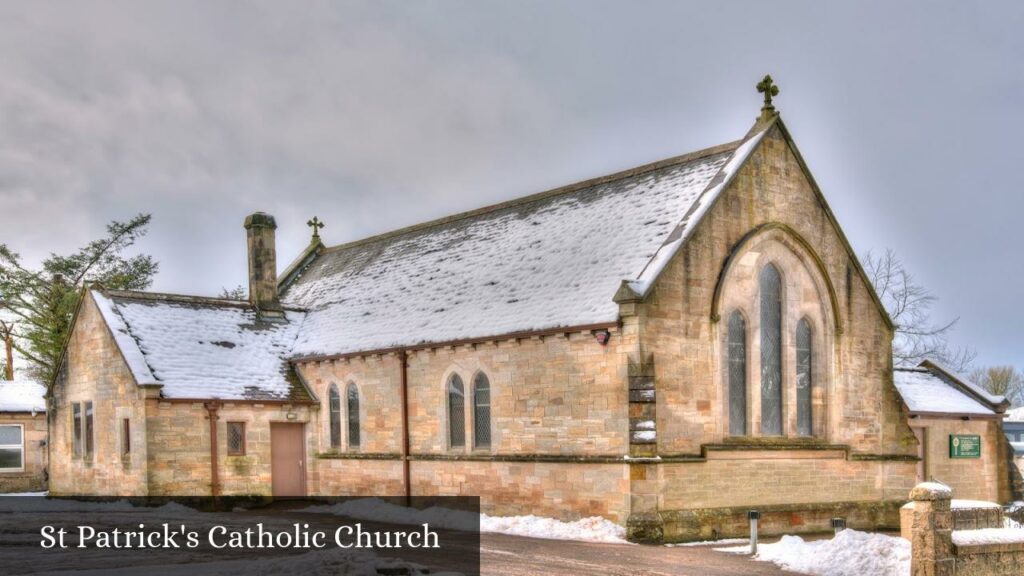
(88, 433)
(481, 411)
(771, 351)
(737, 365)
(236, 438)
(76, 428)
(12, 448)
(803, 378)
(353, 416)
(335, 416)
(126, 437)
(456, 412)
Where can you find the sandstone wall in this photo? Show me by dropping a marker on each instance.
(95, 371)
(970, 478)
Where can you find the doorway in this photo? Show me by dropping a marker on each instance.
(287, 459)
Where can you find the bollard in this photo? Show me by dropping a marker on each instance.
(753, 516)
(838, 524)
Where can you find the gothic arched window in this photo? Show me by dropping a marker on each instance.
(481, 411)
(335, 416)
(353, 416)
(736, 349)
(803, 378)
(771, 350)
(456, 412)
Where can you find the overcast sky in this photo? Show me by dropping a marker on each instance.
(378, 115)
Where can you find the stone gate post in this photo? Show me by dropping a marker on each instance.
(931, 528)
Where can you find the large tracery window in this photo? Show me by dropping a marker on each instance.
(736, 348)
(481, 411)
(456, 412)
(771, 350)
(803, 378)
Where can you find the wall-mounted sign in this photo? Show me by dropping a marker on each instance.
(964, 446)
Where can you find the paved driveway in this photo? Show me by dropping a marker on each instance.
(515, 556)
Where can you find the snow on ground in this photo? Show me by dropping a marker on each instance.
(988, 536)
(594, 529)
(849, 553)
(722, 542)
(38, 494)
(955, 503)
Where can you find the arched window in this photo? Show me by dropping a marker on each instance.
(737, 363)
(771, 350)
(456, 412)
(353, 416)
(481, 411)
(335, 416)
(803, 378)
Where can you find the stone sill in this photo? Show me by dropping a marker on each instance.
(972, 549)
(357, 456)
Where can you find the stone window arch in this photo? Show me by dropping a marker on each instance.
(456, 412)
(804, 383)
(770, 296)
(352, 401)
(334, 412)
(736, 374)
(481, 411)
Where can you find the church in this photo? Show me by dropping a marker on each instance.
(667, 347)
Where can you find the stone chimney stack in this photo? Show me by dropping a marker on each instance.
(259, 231)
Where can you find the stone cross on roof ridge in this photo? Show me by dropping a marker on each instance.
(316, 225)
(769, 88)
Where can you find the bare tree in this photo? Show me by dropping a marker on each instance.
(1001, 380)
(909, 305)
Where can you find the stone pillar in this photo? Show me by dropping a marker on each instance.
(259, 229)
(931, 529)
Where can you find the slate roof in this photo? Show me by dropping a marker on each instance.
(203, 347)
(547, 261)
(926, 390)
(22, 396)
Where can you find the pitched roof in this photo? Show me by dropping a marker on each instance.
(546, 261)
(1015, 415)
(928, 391)
(203, 347)
(22, 396)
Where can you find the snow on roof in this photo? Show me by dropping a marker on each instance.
(925, 391)
(203, 348)
(22, 396)
(551, 260)
(966, 382)
(1015, 415)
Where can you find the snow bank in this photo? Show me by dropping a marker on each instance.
(988, 536)
(721, 542)
(849, 553)
(594, 529)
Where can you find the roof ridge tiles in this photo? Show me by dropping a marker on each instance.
(558, 191)
(186, 299)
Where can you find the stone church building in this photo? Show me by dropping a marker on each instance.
(668, 347)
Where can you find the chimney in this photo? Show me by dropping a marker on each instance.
(259, 232)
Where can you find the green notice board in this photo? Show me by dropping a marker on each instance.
(964, 446)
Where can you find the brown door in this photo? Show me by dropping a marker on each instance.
(287, 457)
(922, 451)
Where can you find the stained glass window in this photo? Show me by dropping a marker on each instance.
(771, 351)
(803, 378)
(335, 416)
(353, 416)
(456, 412)
(481, 411)
(737, 364)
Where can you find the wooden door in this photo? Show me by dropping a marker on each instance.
(288, 459)
(922, 452)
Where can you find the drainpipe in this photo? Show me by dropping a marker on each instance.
(403, 360)
(211, 409)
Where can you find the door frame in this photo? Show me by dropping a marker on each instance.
(304, 460)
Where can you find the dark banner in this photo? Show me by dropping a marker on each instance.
(230, 535)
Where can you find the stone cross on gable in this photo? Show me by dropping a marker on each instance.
(768, 87)
(316, 225)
